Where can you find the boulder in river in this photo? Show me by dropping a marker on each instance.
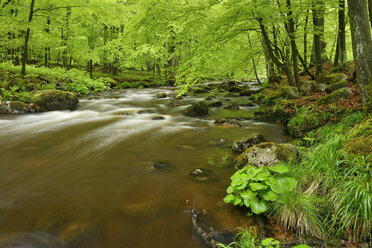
(233, 106)
(197, 110)
(216, 104)
(211, 98)
(162, 95)
(200, 90)
(227, 123)
(174, 103)
(50, 100)
(267, 154)
(249, 92)
(242, 144)
(161, 165)
(202, 174)
(235, 89)
(158, 118)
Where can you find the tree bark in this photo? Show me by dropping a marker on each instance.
(370, 11)
(292, 37)
(317, 38)
(25, 51)
(47, 48)
(362, 49)
(340, 58)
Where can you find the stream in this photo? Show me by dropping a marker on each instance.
(87, 177)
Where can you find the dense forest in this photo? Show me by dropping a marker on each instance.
(305, 65)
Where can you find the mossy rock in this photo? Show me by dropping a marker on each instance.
(227, 123)
(216, 104)
(248, 92)
(267, 154)
(18, 107)
(320, 87)
(305, 87)
(272, 113)
(197, 110)
(50, 100)
(334, 78)
(333, 87)
(234, 89)
(242, 144)
(200, 90)
(162, 95)
(359, 141)
(4, 109)
(112, 83)
(174, 103)
(336, 96)
(290, 92)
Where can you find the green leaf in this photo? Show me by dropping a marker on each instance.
(229, 199)
(259, 207)
(270, 242)
(249, 197)
(263, 176)
(230, 189)
(281, 169)
(257, 186)
(237, 201)
(270, 196)
(302, 246)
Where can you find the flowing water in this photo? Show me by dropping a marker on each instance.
(87, 177)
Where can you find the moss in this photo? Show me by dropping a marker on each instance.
(111, 82)
(359, 141)
(290, 92)
(49, 100)
(197, 109)
(334, 78)
(18, 106)
(336, 96)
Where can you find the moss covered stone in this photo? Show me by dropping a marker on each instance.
(112, 83)
(290, 92)
(267, 154)
(200, 90)
(49, 100)
(197, 109)
(235, 89)
(305, 87)
(4, 109)
(336, 96)
(359, 141)
(242, 144)
(334, 78)
(336, 86)
(18, 107)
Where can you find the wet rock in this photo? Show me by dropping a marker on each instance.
(50, 100)
(242, 144)
(248, 92)
(158, 118)
(231, 95)
(235, 89)
(197, 110)
(30, 240)
(4, 108)
(250, 105)
(305, 87)
(199, 90)
(202, 174)
(290, 92)
(211, 98)
(18, 107)
(146, 111)
(233, 106)
(227, 123)
(202, 227)
(334, 78)
(123, 114)
(162, 95)
(320, 87)
(267, 154)
(186, 147)
(161, 165)
(221, 161)
(335, 86)
(336, 96)
(178, 97)
(216, 104)
(112, 83)
(174, 104)
(218, 142)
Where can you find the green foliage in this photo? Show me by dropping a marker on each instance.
(255, 187)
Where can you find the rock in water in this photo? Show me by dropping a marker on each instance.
(202, 174)
(50, 100)
(227, 123)
(158, 118)
(233, 106)
(162, 95)
(197, 110)
(161, 165)
(242, 144)
(267, 154)
(216, 104)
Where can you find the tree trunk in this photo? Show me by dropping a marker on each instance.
(25, 51)
(305, 37)
(362, 47)
(370, 11)
(340, 58)
(292, 37)
(47, 48)
(317, 39)
(270, 67)
(253, 62)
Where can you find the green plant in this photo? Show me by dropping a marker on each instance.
(24, 96)
(255, 187)
(352, 202)
(300, 212)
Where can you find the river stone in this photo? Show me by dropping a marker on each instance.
(161, 165)
(197, 110)
(234, 89)
(211, 98)
(146, 111)
(242, 144)
(200, 90)
(50, 100)
(202, 174)
(18, 107)
(161, 95)
(221, 161)
(233, 106)
(334, 78)
(4, 108)
(158, 118)
(267, 154)
(227, 123)
(336, 96)
(336, 86)
(248, 92)
(290, 92)
(230, 95)
(216, 104)
(305, 87)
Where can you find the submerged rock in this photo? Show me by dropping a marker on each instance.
(248, 92)
(267, 154)
(174, 104)
(216, 104)
(146, 111)
(336, 96)
(158, 118)
(227, 123)
(233, 106)
(235, 89)
(30, 240)
(50, 100)
(221, 161)
(242, 144)
(200, 90)
(161, 95)
(202, 174)
(161, 165)
(197, 110)
(211, 98)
